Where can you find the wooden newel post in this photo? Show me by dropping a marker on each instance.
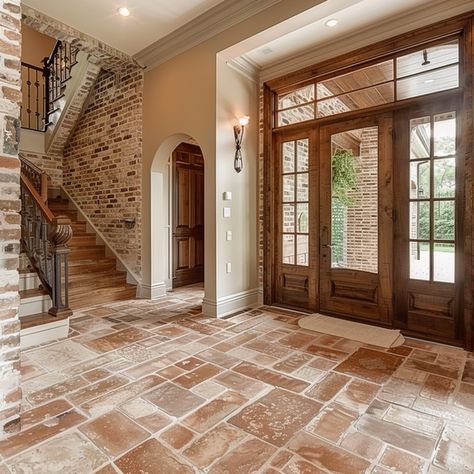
(60, 233)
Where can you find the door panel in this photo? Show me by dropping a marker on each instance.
(188, 215)
(429, 225)
(356, 219)
(296, 233)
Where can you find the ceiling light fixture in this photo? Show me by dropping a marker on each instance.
(124, 11)
(429, 81)
(331, 23)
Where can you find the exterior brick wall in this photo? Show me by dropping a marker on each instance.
(10, 100)
(103, 159)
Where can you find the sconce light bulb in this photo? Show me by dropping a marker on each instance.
(243, 121)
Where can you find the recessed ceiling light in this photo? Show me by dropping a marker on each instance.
(124, 11)
(429, 81)
(331, 23)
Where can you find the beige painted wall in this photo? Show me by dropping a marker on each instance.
(181, 96)
(35, 46)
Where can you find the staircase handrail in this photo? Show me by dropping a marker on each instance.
(45, 237)
(38, 177)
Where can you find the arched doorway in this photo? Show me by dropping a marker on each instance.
(166, 254)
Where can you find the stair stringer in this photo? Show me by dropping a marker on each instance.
(76, 93)
(132, 277)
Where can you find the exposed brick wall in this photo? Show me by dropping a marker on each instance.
(52, 165)
(103, 158)
(10, 99)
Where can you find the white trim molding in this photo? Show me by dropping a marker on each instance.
(229, 304)
(212, 22)
(246, 66)
(151, 292)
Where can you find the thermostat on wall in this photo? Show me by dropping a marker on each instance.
(227, 196)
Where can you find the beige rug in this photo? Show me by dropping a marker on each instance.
(356, 331)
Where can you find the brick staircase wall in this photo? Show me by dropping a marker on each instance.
(10, 99)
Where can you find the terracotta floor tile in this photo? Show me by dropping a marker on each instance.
(326, 352)
(300, 466)
(96, 374)
(277, 416)
(371, 365)
(44, 412)
(281, 458)
(197, 376)
(358, 395)
(212, 413)
(249, 457)
(174, 400)
(468, 373)
(171, 373)
(362, 445)
(117, 340)
(455, 453)
(292, 363)
(57, 390)
(328, 388)
(465, 396)
(437, 368)
(400, 461)
(114, 433)
(333, 422)
(400, 391)
(146, 414)
(152, 457)
(270, 377)
(241, 384)
(177, 436)
(108, 469)
(297, 340)
(97, 389)
(326, 456)
(208, 389)
(38, 433)
(322, 364)
(438, 388)
(68, 453)
(213, 445)
(218, 358)
(189, 364)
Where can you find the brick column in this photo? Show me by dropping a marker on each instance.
(10, 99)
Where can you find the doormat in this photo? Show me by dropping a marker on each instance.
(355, 331)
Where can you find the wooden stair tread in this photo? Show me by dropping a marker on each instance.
(32, 293)
(39, 319)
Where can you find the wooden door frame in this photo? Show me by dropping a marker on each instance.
(459, 25)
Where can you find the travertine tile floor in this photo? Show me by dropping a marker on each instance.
(155, 387)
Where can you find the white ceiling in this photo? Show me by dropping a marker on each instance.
(352, 19)
(149, 21)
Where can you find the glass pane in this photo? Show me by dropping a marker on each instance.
(300, 96)
(302, 187)
(444, 220)
(302, 253)
(303, 154)
(302, 218)
(298, 114)
(420, 220)
(288, 218)
(420, 138)
(362, 99)
(354, 235)
(445, 177)
(419, 260)
(288, 157)
(428, 59)
(288, 249)
(354, 80)
(444, 262)
(288, 188)
(445, 134)
(419, 179)
(428, 83)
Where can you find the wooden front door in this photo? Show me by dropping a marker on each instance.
(188, 215)
(429, 228)
(356, 219)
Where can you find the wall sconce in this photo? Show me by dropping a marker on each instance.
(238, 136)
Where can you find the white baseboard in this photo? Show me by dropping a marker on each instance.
(29, 281)
(34, 305)
(151, 292)
(229, 304)
(44, 333)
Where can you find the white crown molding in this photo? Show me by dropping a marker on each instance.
(389, 28)
(212, 22)
(246, 66)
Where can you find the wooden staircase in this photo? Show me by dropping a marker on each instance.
(93, 277)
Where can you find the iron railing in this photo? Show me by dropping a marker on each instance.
(33, 109)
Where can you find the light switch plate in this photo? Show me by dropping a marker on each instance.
(227, 212)
(228, 267)
(227, 196)
(228, 235)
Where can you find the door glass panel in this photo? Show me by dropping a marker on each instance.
(420, 220)
(444, 178)
(303, 154)
(288, 218)
(420, 179)
(354, 220)
(302, 187)
(443, 262)
(295, 115)
(444, 220)
(300, 96)
(288, 249)
(288, 157)
(302, 218)
(445, 134)
(288, 188)
(420, 138)
(419, 260)
(302, 250)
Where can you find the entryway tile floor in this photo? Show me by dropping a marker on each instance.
(155, 387)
